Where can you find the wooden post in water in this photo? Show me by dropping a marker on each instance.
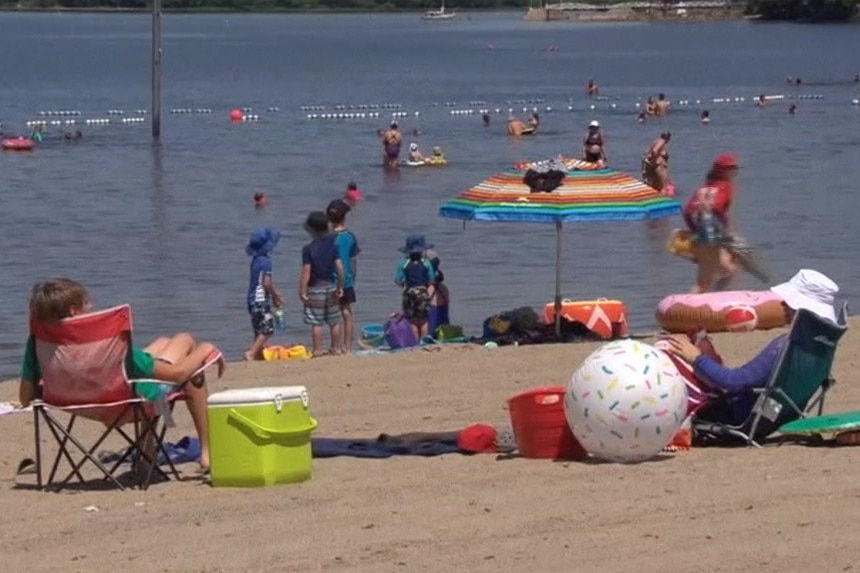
(156, 69)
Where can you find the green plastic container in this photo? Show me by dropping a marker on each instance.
(260, 436)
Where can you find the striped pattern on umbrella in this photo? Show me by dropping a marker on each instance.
(593, 195)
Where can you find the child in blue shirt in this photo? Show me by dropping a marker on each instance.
(347, 248)
(321, 285)
(416, 276)
(440, 299)
(262, 293)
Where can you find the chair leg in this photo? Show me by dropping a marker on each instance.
(36, 422)
(89, 456)
(62, 436)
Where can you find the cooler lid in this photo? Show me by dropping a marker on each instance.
(259, 395)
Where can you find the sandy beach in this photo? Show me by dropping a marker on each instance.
(783, 508)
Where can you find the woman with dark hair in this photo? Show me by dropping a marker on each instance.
(707, 216)
(655, 163)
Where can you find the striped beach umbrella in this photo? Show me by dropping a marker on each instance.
(585, 193)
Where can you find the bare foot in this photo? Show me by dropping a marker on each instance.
(248, 356)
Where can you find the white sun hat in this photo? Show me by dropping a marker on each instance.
(594, 123)
(811, 290)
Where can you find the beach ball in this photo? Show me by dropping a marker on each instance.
(741, 318)
(625, 402)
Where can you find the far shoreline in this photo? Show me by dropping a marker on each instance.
(215, 10)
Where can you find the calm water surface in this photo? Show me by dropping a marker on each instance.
(163, 227)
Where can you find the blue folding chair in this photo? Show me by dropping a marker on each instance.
(797, 386)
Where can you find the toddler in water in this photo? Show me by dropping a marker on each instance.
(262, 294)
(416, 276)
(353, 194)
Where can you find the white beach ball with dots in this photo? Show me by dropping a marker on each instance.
(626, 401)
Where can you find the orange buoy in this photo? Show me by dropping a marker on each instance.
(237, 115)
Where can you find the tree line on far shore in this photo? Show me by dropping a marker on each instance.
(804, 10)
(797, 10)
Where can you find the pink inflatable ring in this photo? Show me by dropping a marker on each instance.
(734, 311)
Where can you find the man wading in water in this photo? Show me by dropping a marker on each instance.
(391, 141)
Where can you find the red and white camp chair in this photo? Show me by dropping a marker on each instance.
(83, 361)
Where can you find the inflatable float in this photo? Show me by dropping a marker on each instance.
(428, 162)
(682, 242)
(730, 311)
(606, 318)
(18, 144)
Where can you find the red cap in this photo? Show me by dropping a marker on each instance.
(478, 439)
(726, 160)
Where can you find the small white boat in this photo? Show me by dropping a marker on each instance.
(439, 14)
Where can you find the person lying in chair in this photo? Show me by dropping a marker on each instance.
(173, 359)
(808, 290)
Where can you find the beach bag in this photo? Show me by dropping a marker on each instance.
(399, 333)
(449, 333)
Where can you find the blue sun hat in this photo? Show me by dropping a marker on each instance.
(415, 244)
(263, 240)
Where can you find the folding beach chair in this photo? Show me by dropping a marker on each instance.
(83, 361)
(797, 386)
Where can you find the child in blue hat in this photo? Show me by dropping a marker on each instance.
(262, 294)
(417, 277)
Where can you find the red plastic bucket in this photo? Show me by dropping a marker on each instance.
(540, 427)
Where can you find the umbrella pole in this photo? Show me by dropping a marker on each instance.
(558, 279)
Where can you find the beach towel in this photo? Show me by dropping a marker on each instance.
(187, 449)
(363, 448)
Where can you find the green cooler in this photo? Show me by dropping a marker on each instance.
(260, 436)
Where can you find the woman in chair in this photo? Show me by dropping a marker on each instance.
(808, 290)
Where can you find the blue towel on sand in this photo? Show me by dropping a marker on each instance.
(332, 447)
(187, 449)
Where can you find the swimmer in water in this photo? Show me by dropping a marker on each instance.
(705, 118)
(486, 118)
(515, 126)
(761, 101)
(534, 120)
(353, 194)
(641, 117)
(655, 163)
(591, 88)
(661, 107)
(391, 142)
(650, 107)
(415, 154)
(260, 200)
(593, 148)
(792, 109)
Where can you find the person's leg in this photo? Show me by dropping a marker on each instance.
(348, 328)
(316, 339)
(708, 265)
(263, 323)
(174, 350)
(336, 331)
(255, 352)
(728, 270)
(196, 402)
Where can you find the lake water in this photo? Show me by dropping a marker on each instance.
(164, 227)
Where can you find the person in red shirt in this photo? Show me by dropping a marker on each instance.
(707, 216)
